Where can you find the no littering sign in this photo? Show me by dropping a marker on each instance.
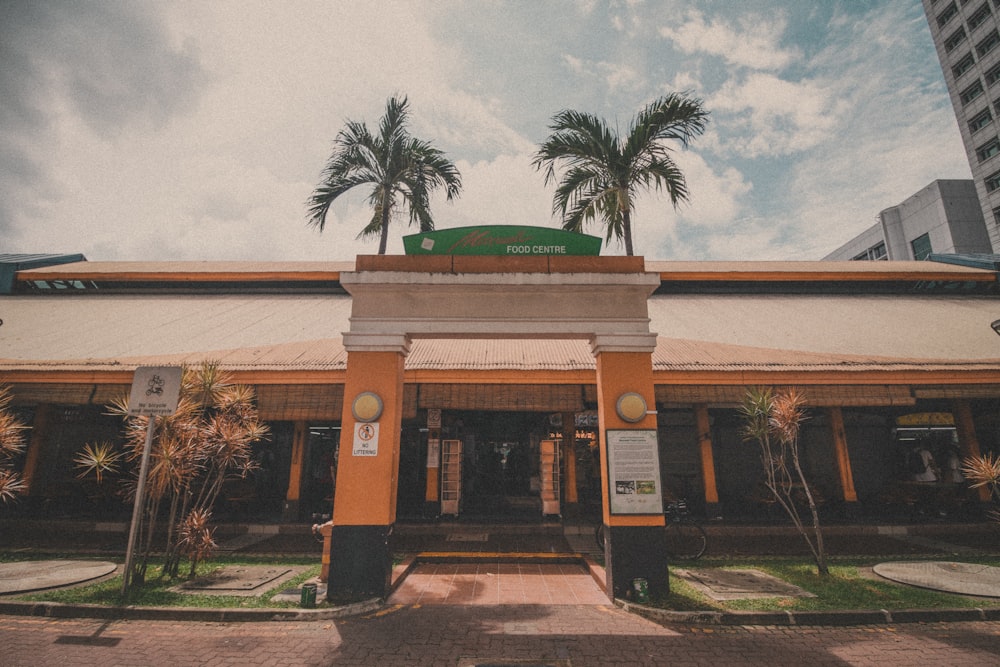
(366, 439)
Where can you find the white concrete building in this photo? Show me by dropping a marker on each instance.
(966, 35)
(943, 218)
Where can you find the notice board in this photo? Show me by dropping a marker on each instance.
(634, 472)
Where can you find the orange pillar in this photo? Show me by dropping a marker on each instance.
(39, 434)
(294, 494)
(569, 456)
(968, 443)
(635, 545)
(432, 490)
(836, 416)
(364, 508)
(707, 458)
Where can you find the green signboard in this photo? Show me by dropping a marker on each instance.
(510, 240)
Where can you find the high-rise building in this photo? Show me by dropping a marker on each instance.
(943, 217)
(967, 38)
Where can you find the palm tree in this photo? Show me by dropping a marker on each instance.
(605, 171)
(400, 169)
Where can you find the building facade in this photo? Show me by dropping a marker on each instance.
(966, 36)
(409, 387)
(944, 218)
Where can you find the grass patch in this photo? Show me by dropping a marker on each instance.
(155, 591)
(850, 585)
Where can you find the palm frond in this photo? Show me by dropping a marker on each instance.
(397, 165)
(582, 143)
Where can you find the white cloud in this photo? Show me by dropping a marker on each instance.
(614, 76)
(755, 41)
(769, 116)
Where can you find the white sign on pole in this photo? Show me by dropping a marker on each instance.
(155, 391)
(365, 439)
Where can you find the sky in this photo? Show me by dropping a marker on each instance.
(189, 130)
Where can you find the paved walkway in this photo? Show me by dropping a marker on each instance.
(441, 635)
(499, 583)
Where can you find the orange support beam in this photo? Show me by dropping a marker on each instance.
(569, 456)
(836, 416)
(707, 457)
(968, 443)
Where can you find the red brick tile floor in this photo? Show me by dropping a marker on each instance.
(491, 583)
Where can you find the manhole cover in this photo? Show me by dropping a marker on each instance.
(33, 575)
(961, 578)
(721, 584)
(237, 580)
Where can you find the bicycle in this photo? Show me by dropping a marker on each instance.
(686, 539)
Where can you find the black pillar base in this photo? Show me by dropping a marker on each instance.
(360, 562)
(634, 552)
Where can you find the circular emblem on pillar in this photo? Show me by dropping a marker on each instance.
(631, 407)
(367, 407)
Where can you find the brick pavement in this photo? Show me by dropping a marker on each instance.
(567, 635)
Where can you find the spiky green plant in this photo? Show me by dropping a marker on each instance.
(207, 440)
(773, 419)
(11, 444)
(98, 458)
(984, 472)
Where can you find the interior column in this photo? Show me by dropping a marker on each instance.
(849, 495)
(364, 510)
(968, 443)
(707, 456)
(292, 497)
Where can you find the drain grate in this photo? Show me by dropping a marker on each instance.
(467, 537)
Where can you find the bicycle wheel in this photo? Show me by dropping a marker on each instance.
(686, 540)
(599, 536)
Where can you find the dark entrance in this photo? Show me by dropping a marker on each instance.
(500, 461)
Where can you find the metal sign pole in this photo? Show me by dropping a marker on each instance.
(140, 499)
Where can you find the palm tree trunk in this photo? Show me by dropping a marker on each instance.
(384, 232)
(627, 231)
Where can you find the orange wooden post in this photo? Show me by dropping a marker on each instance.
(433, 488)
(707, 456)
(836, 416)
(569, 456)
(294, 494)
(968, 443)
(39, 434)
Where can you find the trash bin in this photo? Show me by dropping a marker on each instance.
(308, 600)
(641, 589)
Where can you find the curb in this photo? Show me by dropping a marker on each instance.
(802, 618)
(208, 615)
(732, 618)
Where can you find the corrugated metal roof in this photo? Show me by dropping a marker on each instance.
(908, 327)
(82, 327)
(168, 269)
(697, 332)
(846, 268)
(484, 355)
